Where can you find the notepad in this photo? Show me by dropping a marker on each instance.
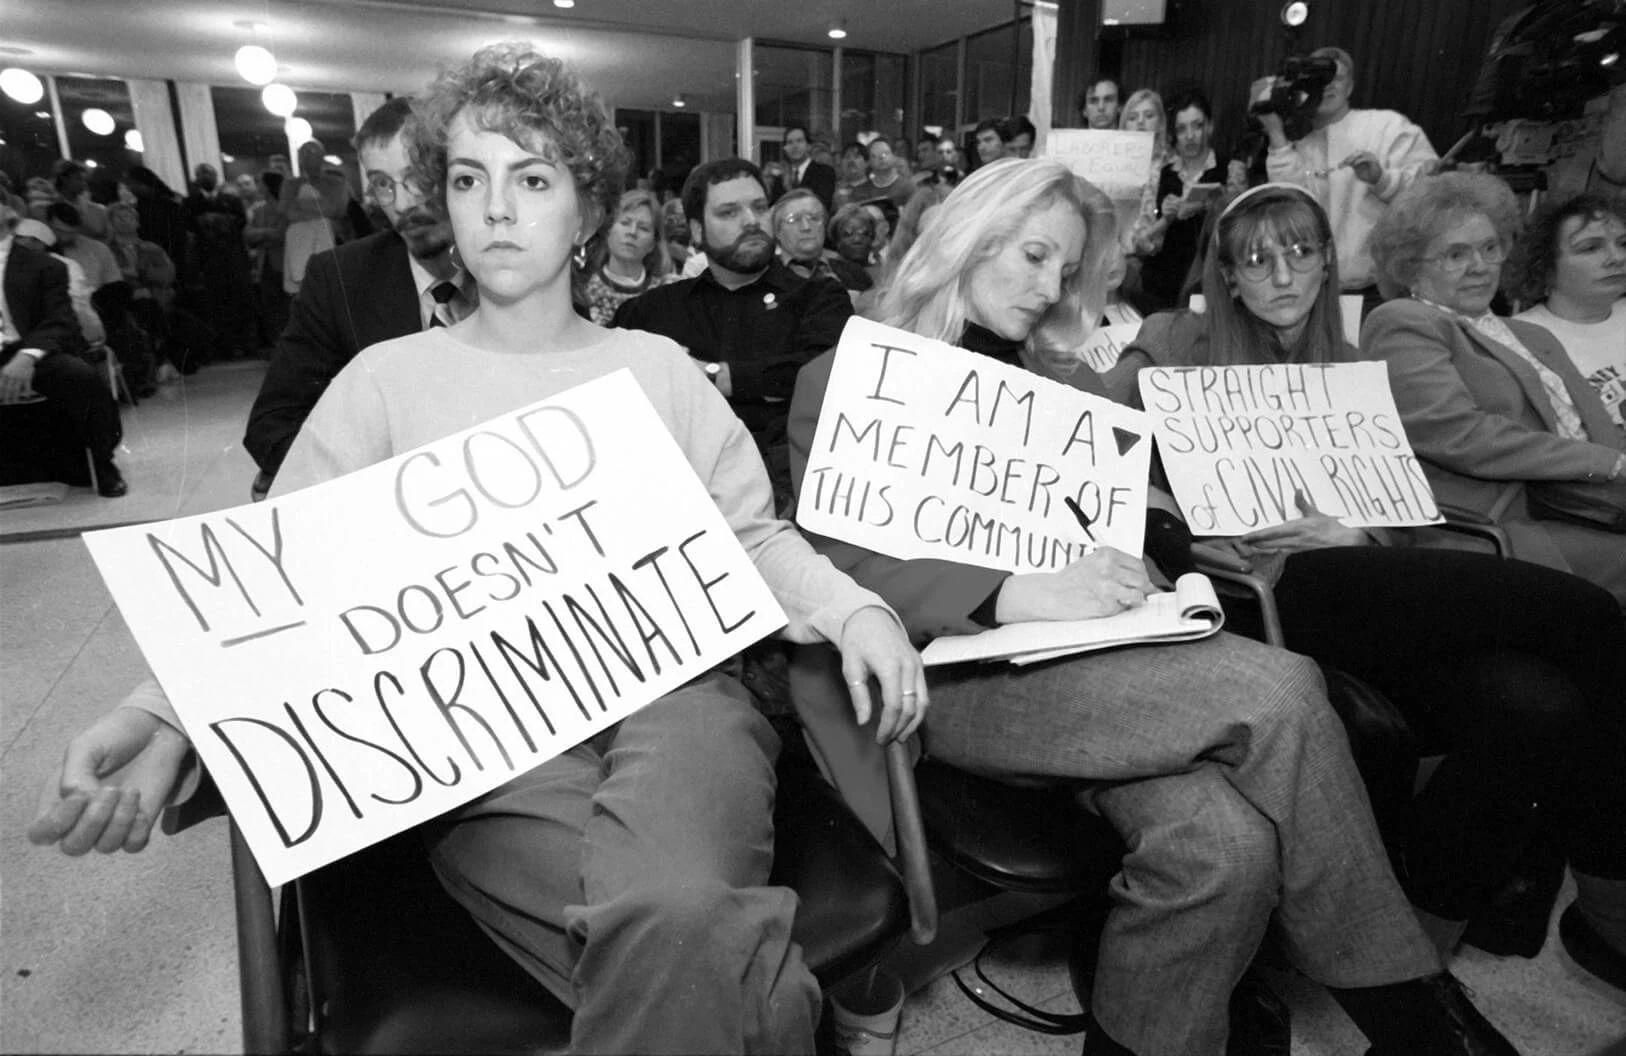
(1192, 610)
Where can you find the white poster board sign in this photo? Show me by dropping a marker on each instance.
(1103, 347)
(924, 450)
(1240, 444)
(363, 655)
(1119, 163)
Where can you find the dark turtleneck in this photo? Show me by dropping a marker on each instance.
(985, 341)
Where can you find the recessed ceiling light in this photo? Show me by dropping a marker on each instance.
(680, 102)
(564, 3)
(22, 86)
(838, 31)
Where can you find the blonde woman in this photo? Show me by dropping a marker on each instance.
(625, 259)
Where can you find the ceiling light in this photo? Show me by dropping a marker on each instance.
(298, 130)
(566, 4)
(228, 158)
(280, 99)
(680, 102)
(98, 121)
(91, 163)
(256, 64)
(132, 141)
(21, 85)
(838, 31)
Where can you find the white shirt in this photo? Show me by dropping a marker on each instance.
(1598, 351)
(461, 306)
(8, 329)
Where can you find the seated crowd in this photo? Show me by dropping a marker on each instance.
(1220, 762)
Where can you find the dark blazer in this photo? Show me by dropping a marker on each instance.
(356, 295)
(1481, 423)
(36, 287)
(820, 179)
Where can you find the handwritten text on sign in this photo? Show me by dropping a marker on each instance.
(1119, 163)
(363, 655)
(926, 450)
(1239, 443)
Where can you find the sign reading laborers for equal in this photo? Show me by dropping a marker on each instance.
(363, 655)
(927, 450)
(1119, 163)
(1241, 443)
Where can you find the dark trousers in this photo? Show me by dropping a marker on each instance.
(78, 390)
(1520, 671)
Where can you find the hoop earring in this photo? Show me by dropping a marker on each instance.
(457, 261)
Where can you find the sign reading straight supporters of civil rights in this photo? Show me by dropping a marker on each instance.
(363, 655)
(1117, 162)
(1241, 444)
(927, 450)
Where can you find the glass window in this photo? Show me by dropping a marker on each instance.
(872, 94)
(104, 151)
(28, 146)
(794, 86)
(989, 73)
(250, 134)
(637, 128)
(939, 85)
(680, 148)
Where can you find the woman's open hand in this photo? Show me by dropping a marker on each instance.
(1313, 531)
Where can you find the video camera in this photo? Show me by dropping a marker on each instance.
(1296, 92)
(1545, 61)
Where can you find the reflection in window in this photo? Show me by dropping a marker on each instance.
(794, 86)
(250, 134)
(28, 146)
(102, 147)
(872, 94)
(989, 74)
(939, 77)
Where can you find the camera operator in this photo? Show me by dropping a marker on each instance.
(1354, 161)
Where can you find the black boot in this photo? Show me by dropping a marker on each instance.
(1423, 1017)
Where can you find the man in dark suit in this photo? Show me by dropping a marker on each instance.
(799, 170)
(384, 286)
(39, 336)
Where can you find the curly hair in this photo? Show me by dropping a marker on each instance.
(1530, 269)
(1428, 209)
(536, 101)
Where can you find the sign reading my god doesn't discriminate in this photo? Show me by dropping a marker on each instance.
(926, 450)
(1240, 443)
(365, 654)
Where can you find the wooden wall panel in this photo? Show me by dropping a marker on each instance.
(1420, 57)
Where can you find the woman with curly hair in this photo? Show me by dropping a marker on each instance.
(630, 874)
(1503, 423)
(1571, 264)
(1220, 761)
(625, 259)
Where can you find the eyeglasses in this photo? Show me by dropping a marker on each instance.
(803, 219)
(384, 189)
(1301, 257)
(1456, 258)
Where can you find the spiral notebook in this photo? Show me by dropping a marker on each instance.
(1191, 610)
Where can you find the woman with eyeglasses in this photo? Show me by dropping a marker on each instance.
(1520, 667)
(1219, 761)
(1504, 424)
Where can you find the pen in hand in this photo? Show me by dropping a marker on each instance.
(1083, 522)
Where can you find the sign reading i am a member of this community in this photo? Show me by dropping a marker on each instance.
(363, 655)
(1241, 443)
(924, 450)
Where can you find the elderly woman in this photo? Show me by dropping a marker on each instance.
(1219, 761)
(1571, 264)
(1520, 666)
(1504, 424)
(798, 228)
(852, 233)
(630, 874)
(624, 260)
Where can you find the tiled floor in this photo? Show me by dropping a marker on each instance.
(135, 954)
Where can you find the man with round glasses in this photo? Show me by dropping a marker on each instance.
(384, 286)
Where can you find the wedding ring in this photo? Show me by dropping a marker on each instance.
(855, 681)
(910, 693)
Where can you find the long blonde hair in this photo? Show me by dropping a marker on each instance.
(928, 293)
